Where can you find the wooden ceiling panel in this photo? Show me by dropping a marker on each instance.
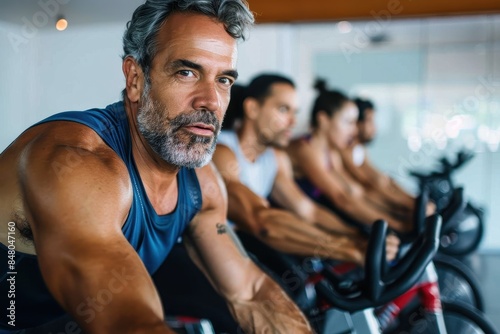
(271, 11)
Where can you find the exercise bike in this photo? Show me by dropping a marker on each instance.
(188, 325)
(389, 316)
(457, 283)
(463, 228)
(367, 305)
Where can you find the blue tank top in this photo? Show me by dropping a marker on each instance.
(151, 235)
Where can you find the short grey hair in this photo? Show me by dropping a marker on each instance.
(140, 38)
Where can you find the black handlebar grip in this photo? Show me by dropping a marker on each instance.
(379, 288)
(411, 266)
(421, 210)
(375, 259)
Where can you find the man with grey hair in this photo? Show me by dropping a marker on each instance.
(101, 196)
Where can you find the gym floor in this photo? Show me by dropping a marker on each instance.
(487, 268)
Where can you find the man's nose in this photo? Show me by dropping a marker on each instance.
(293, 120)
(207, 97)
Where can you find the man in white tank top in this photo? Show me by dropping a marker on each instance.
(357, 163)
(255, 169)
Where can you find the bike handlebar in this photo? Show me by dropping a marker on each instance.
(462, 157)
(446, 167)
(381, 284)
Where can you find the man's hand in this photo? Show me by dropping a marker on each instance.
(270, 311)
(430, 209)
(391, 247)
(392, 243)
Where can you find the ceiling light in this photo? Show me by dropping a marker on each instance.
(61, 24)
(344, 27)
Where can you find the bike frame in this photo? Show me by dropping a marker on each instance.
(370, 321)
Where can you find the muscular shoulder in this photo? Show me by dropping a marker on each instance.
(302, 152)
(72, 146)
(226, 162)
(65, 163)
(298, 148)
(223, 153)
(286, 167)
(297, 142)
(282, 159)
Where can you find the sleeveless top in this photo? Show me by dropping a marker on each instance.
(258, 176)
(311, 190)
(358, 155)
(150, 234)
(303, 182)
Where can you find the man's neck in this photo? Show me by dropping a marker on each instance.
(158, 177)
(249, 142)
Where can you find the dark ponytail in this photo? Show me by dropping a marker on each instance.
(328, 101)
(320, 86)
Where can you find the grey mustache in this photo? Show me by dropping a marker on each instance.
(205, 117)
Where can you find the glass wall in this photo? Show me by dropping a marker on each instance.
(436, 86)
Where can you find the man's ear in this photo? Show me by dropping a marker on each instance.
(251, 108)
(134, 79)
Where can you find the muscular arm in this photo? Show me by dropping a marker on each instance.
(280, 229)
(390, 189)
(378, 182)
(349, 245)
(287, 194)
(310, 164)
(256, 301)
(76, 197)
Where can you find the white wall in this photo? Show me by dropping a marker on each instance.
(72, 70)
(15, 88)
(81, 68)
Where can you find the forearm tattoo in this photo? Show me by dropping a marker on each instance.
(224, 229)
(221, 228)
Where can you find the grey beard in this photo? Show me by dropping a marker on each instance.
(170, 141)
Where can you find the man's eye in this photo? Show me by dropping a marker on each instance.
(283, 109)
(186, 73)
(226, 81)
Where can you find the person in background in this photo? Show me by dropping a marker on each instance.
(358, 165)
(256, 171)
(320, 172)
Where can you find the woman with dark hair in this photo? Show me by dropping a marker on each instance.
(319, 169)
